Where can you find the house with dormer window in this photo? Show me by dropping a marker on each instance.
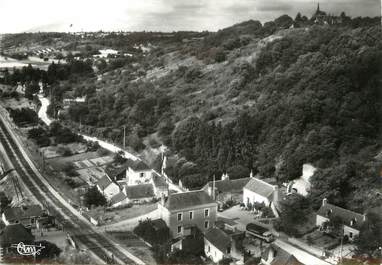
(351, 222)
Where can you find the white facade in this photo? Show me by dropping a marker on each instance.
(110, 190)
(138, 177)
(212, 252)
(348, 231)
(320, 220)
(5, 221)
(252, 197)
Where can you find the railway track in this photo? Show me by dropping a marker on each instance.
(79, 229)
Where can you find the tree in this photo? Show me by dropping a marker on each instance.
(238, 171)
(284, 22)
(94, 198)
(369, 240)
(294, 211)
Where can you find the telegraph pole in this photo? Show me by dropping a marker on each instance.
(124, 136)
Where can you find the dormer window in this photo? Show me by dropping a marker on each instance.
(329, 212)
(353, 222)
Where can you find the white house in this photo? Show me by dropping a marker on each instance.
(107, 187)
(351, 221)
(259, 191)
(138, 172)
(217, 245)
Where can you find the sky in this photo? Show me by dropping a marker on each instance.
(160, 15)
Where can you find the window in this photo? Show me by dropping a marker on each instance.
(206, 212)
(191, 215)
(209, 248)
(142, 174)
(180, 216)
(351, 235)
(206, 224)
(179, 229)
(228, 250)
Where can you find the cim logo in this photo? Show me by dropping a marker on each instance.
(28, 250)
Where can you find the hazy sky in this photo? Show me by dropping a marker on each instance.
(160, 15)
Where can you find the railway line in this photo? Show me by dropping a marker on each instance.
(74, 224)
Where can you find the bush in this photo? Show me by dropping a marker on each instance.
(24, 117)
(146, 230)
(70, 170)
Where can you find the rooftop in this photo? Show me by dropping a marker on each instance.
(329, 210)
(139, 191)
(219, 239)
(113, 172)
(280, 256)
(104, 182)
(159, 181)
(184, 200)
(138, 165)
(117, 198)
(18, 213)
(260, 187)
(228, 185)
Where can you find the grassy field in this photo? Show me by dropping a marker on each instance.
(117, 215)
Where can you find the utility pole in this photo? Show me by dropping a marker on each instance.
(124, 136)
(213, 188)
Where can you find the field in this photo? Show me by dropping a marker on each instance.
(116, 215)
(17, 103)
(134, 244)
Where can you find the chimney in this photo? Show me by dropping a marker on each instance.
(276, 194)
(209, 191)
(251, 174)
(364, 217)
(324, 201)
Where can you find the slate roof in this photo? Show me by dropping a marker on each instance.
(139, 191)
(345, 215)
(117, 198)
(159, 181)
(218, 238)
(281, 257)
(104, 182)
(19, 213)
(228, 185)
(14, 234)
(184, 200)
(113, 172)
(260, 187)
(138, 165)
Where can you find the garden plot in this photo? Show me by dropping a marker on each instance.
(91, 175)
